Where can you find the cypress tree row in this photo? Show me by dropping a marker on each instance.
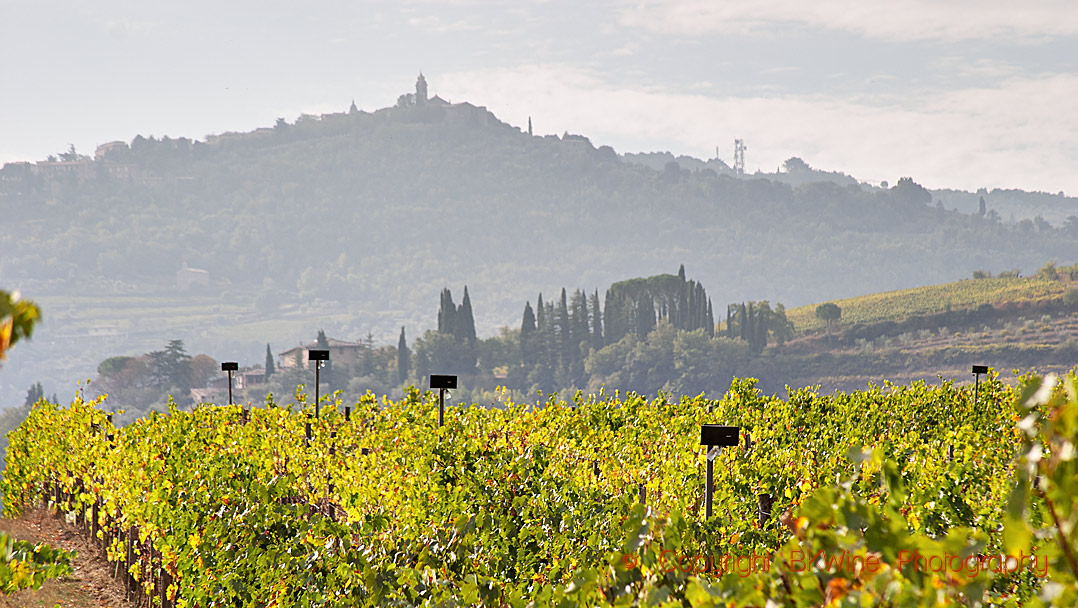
(559, 337)
(459, 323)
(756, 323)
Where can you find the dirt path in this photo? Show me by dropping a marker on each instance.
(89, 586)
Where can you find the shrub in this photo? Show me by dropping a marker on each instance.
(1070, 297)
(1048, 272)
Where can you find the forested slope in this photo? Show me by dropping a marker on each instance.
(380, 207)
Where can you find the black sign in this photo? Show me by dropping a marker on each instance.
(439, 381)
(980, 369)
(229, 366)
(318, 355)
(716, 434)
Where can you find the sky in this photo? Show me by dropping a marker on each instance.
(954, 93)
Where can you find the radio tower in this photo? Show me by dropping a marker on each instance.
(739, 156)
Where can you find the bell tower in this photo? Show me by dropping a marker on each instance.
(421, 90)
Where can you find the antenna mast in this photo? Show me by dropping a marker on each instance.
(739, 156)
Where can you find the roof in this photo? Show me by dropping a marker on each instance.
(333, 343)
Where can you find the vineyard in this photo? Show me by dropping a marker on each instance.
(583, 502)
(897, 305)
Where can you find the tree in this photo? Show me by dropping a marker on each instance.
(447, 312)
(781, 327)
(71, 155)
(982, 208)
(170, 370)
(203, 368)
(271, 368)
(527, 336)
(458, 323)
(34, 394)
(1070, 226)
(911, 193)
(596, 319)
(465, 319)
(829, 312)
(404, 359)
(1070, 297)
(564, 328)
(1048, 272)
(795, 164)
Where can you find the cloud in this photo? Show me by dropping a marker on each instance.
(1021, 133)
(120, 28)
(949, 20)
(433, 23)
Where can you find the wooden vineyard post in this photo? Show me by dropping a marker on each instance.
(94, 526)
(129, 578)
(166, 580)
(763, 509)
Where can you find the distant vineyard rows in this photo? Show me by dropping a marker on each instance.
(896, 305)
(223, 506)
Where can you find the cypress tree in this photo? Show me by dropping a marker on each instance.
(710, 320)
(447, 313)
(270, 367)
(464, 331)
(404, 359)
(613, 322)
(527, 336)
(527, 326)
(564, 331)
(596, 322)
(580, 330)
(35, 393)
(465, 319)
(645, 321)
(745, 322)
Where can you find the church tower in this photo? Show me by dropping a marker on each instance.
(421, 90)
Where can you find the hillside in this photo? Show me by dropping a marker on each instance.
(354, 222)
(936, 331)
(931, 299)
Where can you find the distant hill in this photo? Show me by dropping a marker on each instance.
(1008, 205)
(357, 220)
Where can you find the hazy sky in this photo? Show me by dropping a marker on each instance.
(954, 93)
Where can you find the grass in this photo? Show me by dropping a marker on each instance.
(897, 305)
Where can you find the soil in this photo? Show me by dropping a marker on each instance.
(90, 585)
